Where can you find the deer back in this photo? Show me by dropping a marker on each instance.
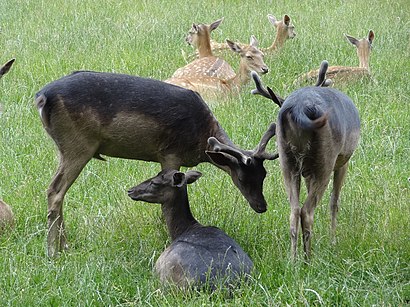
(116, 113)
(312, 114)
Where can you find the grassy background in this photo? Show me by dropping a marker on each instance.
(115, 242)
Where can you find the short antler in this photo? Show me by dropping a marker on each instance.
(219, 147)
(321, 77)
(267, 93)
(260, 151)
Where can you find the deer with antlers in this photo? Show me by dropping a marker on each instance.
(344, 74)
(212, 87)
(317, 131)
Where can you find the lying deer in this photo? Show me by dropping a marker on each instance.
(211, 87)
(318, 129)
(198, 255)
(6, 67)
(347, 73)
(89, 114)
(284, 30)
(207, 64)
(6, 217)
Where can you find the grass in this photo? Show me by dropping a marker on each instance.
(114, 242)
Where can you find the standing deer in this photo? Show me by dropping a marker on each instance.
(198, 255)
(6, 217)
(318, 129)
(207, 64)
(344, 74)
(284, 30)
(6, 67)
(89, 114)
(211, 87)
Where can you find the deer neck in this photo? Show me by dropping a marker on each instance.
(204, 46)
(178, 214)
(279, 41)
(363, 59)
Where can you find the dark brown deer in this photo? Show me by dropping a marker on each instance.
(198, 255)
(89, 114)
(318, 129)
(6, 67)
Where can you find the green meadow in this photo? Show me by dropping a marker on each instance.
(114, 241)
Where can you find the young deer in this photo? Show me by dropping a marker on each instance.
(198, 255)
(284, 30)
(207, 64)
(6, 217)
(347, 73)
(211, 87)
(318, 129)
(89, 114)
(6, 67)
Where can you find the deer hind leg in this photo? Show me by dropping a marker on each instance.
(292, 184)
(338, 179)
(316, 187)
(68, 170)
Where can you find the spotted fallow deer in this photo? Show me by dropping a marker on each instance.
(284, 30)
(212, 88)
(6, 67)
(89, 114)
(343, 74)
(207, 65)
(317, 131)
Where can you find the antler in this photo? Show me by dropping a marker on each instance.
(219, 147)
(267, 93)
(321, 81)
(260, 150)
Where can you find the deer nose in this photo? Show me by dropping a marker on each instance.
(265, 70)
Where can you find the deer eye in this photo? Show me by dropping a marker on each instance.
(249, 57)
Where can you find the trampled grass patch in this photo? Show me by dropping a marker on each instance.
(114, 242)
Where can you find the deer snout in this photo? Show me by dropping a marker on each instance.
(264, 69)
(259, 206)
(133, 193)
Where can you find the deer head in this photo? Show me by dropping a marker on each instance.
(364, 47)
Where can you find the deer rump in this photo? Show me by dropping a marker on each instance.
(316, 123)
(125, 116)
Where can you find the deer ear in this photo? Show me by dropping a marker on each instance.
(178, 179)
(286, 19)
(352, 40)
(221, 159)
(253, 41)
(370, 36)
(273, 20)
(192, 176)
(215, 24)
(234, 46)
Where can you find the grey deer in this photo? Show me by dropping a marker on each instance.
(89, 114)
(198, 256)
(318, 129)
